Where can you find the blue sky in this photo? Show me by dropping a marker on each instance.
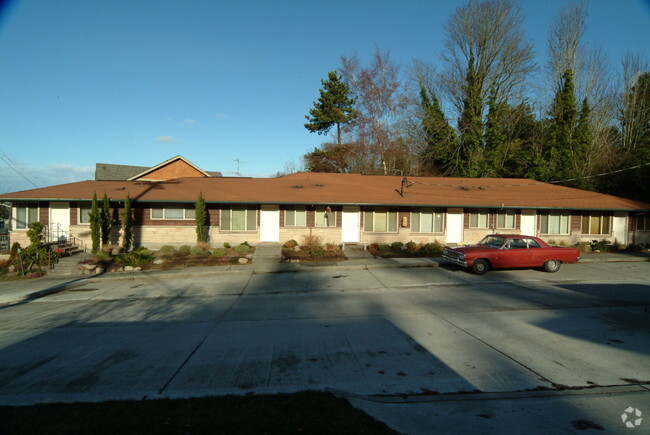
(138, 82)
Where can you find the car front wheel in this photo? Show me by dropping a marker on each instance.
(480, 267)
(552, 266)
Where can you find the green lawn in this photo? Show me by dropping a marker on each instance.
(306, 412)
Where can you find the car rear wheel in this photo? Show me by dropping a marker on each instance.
(552, 265)
(479, 267)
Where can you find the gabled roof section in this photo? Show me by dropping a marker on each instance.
(176, 167)
(110, 172)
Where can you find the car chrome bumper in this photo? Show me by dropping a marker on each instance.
(455, 261)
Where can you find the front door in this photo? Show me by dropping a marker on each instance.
(350, 223)
(528, 222)
(270, 223)
(59, 221)
(619, 227)
(454, 225)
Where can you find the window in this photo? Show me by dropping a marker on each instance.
(595, 223)
(380, 220)
(506, 219)
(427, 220)
(478, 219)
(325, 218)
(173, 211)
(26, 214)
(84, 213)
(295, 216)
(643, 222)
(555, 223)
(239, 218)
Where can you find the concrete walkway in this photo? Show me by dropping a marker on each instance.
(266, 259)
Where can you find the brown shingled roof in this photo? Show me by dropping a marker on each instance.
(333, 189)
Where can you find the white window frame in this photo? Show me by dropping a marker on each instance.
(560, 215)
(478, 214)
(165, 207)
(596, 215)
(295, 210)
(248, 209)
(331, 217)
(416, 218)
(27, 206)
(373, 211)
(505, 214)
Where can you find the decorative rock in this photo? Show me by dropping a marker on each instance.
(242, 260)
(249, 256)
(116, 251)
(137, 269)
(99, 270)
(11, 268)
(128, 268)
(296, 248)
(90, 266)
(158, 261)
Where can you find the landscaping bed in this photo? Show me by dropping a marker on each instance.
(312, 250)
(406, 250)
(168, 257)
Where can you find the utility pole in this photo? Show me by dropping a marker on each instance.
(238, 162)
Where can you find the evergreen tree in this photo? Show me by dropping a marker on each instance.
(562, 122)
(200, 218)
(496, 146)
(334, 107)
(95, 218)
(107, 220)
(127, 224)
(470, 126)
(440, 138)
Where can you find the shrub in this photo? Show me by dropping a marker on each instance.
(431, 249)
(314, 251)
(312, 241)
(219, 252)
(290, 244)
(226, 245)
(412, 247)
(584, 246)
(13, 252)
(332, 247)
(246, 243)
(144, 251)
(635, 247)
(102, 255)
(373, 247)
(384, 247)
(167, 249)
(185, 249)
(396, 246)
(601, 245)
(198, 251)
(243, 248)
(135, 258)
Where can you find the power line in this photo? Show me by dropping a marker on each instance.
(600, 175)
(13, 165)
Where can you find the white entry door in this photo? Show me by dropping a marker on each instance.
(454, 225)
(528, 222)
(270, 223)
(59, 221)
(350, 225)
(619, 227)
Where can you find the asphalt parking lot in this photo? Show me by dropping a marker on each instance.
(438, 341)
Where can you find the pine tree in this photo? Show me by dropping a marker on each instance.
(334, 107)
(495, 137)
(95, 218)
(127, 224)
(107, 220)
(200, 218)
(440, 138)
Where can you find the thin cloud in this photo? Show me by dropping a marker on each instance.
(165, 139)
(188, 122)
(220, 115)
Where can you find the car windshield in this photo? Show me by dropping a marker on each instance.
(492, 241)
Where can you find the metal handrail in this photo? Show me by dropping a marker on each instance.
(67, 235)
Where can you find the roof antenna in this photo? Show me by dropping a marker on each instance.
(405, 182)
(238, 162)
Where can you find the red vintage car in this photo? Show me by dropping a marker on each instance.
(500, 251)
